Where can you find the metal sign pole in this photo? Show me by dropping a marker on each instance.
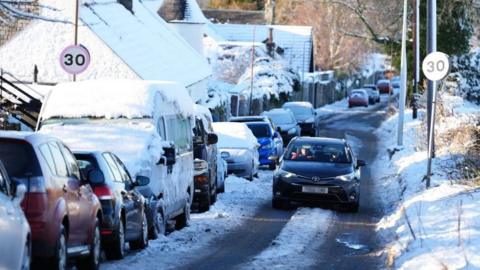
(416, 46)
(76, 30)
(252, 73)
(403, 83)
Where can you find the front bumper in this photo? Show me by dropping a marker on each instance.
(339, 192)
(264, 154)
(240, 169)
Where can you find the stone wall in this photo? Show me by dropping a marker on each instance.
(7, 31)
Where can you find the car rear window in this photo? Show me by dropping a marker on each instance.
(19, 158)
(282, 119)
(260, 130)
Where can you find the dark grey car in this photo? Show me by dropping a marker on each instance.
(318, 170)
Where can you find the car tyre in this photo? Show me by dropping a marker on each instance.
(59, 260)
(280, 204)
(353, 207)
(213, 197)
(159, 227)
(205, 201)
(222, 188)
(115, 250)
(27, 254)
(272, 166)
(92, 261)
(183, 220)
(142, 241)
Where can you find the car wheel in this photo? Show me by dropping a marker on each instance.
(213, 197)
(142, 241)
(92, 261)
(183, 220)
(115, 250)
(272, 166)
(59, 261)
(279, 204)
(353, 207)
(159, 227)
(27, 254)
(222, 188)
(205, 201)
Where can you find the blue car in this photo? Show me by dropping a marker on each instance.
(266, 138)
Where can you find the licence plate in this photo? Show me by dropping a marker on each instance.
(314, 189)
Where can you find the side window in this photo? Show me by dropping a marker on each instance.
(161, 128)
(117, 176)
(179, 131)
(123, 170)
(72, 165)
(47, 155)
(60, 165)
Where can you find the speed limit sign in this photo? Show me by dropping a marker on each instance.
(436, 66)
(75, 59)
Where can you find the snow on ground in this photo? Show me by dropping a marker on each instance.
(435, 228)
(239, 202)
(288, 250)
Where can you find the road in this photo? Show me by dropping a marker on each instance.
(349, 242)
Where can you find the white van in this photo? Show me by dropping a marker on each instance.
(147, 124)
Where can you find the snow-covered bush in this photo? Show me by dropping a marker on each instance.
(464, 79)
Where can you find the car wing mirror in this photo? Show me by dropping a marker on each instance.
(169, 156)
(141, 181)
(20, 191)
(361, 163)
(212, 138)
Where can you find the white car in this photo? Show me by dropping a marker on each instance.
(147, 124)
(239, 147)
(15, 245)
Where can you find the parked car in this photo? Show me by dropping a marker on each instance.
(318, 170)
(358, 97)
(373, 93)
(261, 118)
(286, 124)
(222, 172)
(239, 147)
(395, 84)
(265, 136)
(16, 244)
(305, 116)
(384, 86)
(63, 212)
(205, 148)
(146, 124)
(124, 217)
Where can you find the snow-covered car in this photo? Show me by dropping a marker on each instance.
(358, 97)
(373, 93)
(239, 147)
(205, 148)
(305, 116)
(147, 124)
(15, 247)
(285, 122)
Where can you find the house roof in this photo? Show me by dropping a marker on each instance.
(122, 44)
(296, 41)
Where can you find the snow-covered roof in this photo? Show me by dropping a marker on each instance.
(122, 44)
(234, 135)
(295, 40)
(114, 99)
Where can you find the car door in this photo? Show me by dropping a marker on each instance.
(11, 218)
(135, 203)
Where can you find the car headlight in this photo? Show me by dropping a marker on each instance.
(284, 174)
(346, 177)
(225, 155)
(292, 131)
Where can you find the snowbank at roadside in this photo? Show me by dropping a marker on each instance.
(239, 202)
(435, 228)
(286, 250)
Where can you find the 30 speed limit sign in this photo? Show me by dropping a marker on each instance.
(75, 59)
(436, 66)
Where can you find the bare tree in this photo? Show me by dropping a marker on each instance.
(13, 10)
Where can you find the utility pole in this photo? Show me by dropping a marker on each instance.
(416, 51)
(77, 2)
(252, 59)
(432, 85)
(403, 74)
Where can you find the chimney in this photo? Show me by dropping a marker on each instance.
(270, 44)
(128, 4)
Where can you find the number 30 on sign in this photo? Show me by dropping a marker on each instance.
(75, 59)
(436, 66)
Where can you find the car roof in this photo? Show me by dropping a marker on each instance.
(248, 118)
(278, 111)
(359, 90)
(298, 103)
(31, 137)
(257, 124)
(323, 140)
(383, 81)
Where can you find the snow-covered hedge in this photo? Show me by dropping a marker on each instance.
(464, 79)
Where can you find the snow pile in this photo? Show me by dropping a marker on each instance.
(234, 135)
(288, 250)
(218, 94)
(433, 228)
(240, 202)
(114, 99)
(465, 78)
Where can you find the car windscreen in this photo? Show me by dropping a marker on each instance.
(318, 152)
(19, 159)
(260, 130)
(300, 110)
(358, 94)
(282, 119)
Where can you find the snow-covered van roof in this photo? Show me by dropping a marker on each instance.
(234, 135)
(113, 99)
(122, 44)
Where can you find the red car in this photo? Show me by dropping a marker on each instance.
(384, 86)
(358, 97)
(63, 212)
